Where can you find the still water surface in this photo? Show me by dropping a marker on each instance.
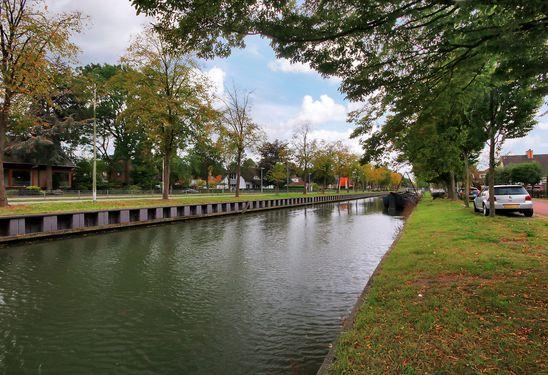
(255, 293)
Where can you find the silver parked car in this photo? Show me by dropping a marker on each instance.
(509, 198)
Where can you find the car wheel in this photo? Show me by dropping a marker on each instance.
(528, 213)
(485, 210)
(475, 208)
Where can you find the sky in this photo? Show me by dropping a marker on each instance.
(284, 95)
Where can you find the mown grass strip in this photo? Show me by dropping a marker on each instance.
(459, 293)
(85, 205)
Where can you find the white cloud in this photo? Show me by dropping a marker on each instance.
(286, 66)
(334, 135)
(108, 30)
(217, 78)
(322, 111)
(280, 121)
(542, 126)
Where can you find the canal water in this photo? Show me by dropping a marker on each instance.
(256, 293)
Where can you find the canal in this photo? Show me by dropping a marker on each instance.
(256, 293)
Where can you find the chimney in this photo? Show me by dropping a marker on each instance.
(529, 154)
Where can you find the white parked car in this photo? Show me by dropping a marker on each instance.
(507, 198)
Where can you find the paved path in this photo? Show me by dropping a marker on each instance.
(540, 206)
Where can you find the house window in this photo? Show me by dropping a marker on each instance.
(20, 178)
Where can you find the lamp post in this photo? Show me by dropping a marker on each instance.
(309, 182)
(287, 178)
(94, 178)
(262, 179)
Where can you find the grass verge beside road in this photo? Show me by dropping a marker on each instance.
(87, 205)
(459, 293)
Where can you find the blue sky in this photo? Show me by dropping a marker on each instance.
(284, 94)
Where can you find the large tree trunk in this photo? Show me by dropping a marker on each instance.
(452, 186)
(305, 182)
(3, 126)
(466, 181)
(339, 184)
(492, 146)
(126, 171)
(238, 173)
(165, 177)
(491, 178)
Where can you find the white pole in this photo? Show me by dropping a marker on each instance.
(94, 184)
(262, 180)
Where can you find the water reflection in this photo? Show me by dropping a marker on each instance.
(255, 293)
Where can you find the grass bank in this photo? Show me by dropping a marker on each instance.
(39, 207)
(459, 293)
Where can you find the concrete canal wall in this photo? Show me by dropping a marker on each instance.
(28, 227)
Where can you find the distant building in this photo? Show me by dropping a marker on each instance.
(296, 182)
(229, 183)
(529, 157)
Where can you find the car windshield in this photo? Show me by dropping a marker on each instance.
(510, 190)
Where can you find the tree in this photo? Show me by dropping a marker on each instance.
(380, 47)
(167, 99)
(238, 131)
(249, 169)
(31, 40)
(395, 180)
(108, 83)
(342, 160)
(271, 153)
(323, 164)
(278, 174)
(304, 148)
(526, 173)
(382, 50)
(205, 158)
(510, 109)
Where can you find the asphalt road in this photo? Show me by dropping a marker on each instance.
(540, 206)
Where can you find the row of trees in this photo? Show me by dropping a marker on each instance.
(155, 111)
(321, 162)
(445, 77)
(278, 163)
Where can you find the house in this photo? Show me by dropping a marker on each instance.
(541, 159)
(19, 174)
(296, 182)
(229, 183)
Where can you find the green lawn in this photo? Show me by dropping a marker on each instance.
(458, 294)
(42, 207)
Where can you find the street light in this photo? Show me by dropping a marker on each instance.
(262, 179)
(94, 182)
(309, 182)
(287, 178)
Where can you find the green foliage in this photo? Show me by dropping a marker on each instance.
(278, 174)
(272, 153)
(524, 173)
(460, 71)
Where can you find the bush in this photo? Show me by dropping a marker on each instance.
(134, 188)
(31, 190)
